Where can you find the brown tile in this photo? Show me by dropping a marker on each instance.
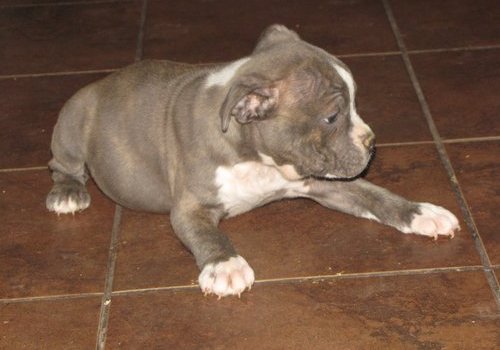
(43, 254)
(459, 87)
(386, 99)
(44, 39)
(208, 31)
(428, 24)
(149, 254)
(453, 310)
(477, 168)
(54, 324)
(29, 109)
(300, 238)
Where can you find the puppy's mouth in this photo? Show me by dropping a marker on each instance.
(343, 174)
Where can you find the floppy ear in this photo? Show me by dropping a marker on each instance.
(249, 99)
(274, 34)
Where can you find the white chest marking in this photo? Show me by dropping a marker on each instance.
(223, 76)
(247, 185)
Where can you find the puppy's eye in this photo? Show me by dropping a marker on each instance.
(331, 119)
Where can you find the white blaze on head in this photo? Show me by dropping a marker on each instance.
(359, 127)
(224, 75)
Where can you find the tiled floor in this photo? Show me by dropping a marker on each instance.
(325, 280)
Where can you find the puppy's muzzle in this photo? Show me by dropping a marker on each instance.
(368, 140)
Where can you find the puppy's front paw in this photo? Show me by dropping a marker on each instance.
(434, 221)
(230, 277)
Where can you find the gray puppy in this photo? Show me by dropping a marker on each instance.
(214, 141)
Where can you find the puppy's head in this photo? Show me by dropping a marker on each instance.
(299, 102)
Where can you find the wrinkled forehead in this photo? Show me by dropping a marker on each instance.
(338, 67)
(324, 77)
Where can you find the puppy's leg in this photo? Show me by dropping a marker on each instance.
(68, 193)
(68, 164)
(223, 271)
(364, 199)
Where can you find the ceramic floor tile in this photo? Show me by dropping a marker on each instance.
(477, 168)
(386, 99)
(45, 39)
(458, 86)
(428, 24)
(149, 254)
(453, 310)
(54, 324)
(300, 238)
(43, 254)
(30, 107)
(201, 31)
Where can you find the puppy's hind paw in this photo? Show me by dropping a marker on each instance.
(230, 277)
(433, 221)
(65, 199)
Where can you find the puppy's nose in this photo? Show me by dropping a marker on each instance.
(369, 140)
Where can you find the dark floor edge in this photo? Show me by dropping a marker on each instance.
(62, 3)
(445, 160)
(108, 284)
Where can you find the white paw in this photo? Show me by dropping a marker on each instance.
(434, 221)
(230, 277)
(68, 206)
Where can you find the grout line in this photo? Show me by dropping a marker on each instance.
(446, 141)
(140, 37)
(445, 160)
(57, 74)
(33, 168)
(340, 275)
(391, 273)
(155, 289)
(369, 54)
(336, 276)
(102, 329)
(454, 49)
(412, 143)
(62, 3)
(48, 298)
(473, 139)
(388, 144)
(108, 284)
